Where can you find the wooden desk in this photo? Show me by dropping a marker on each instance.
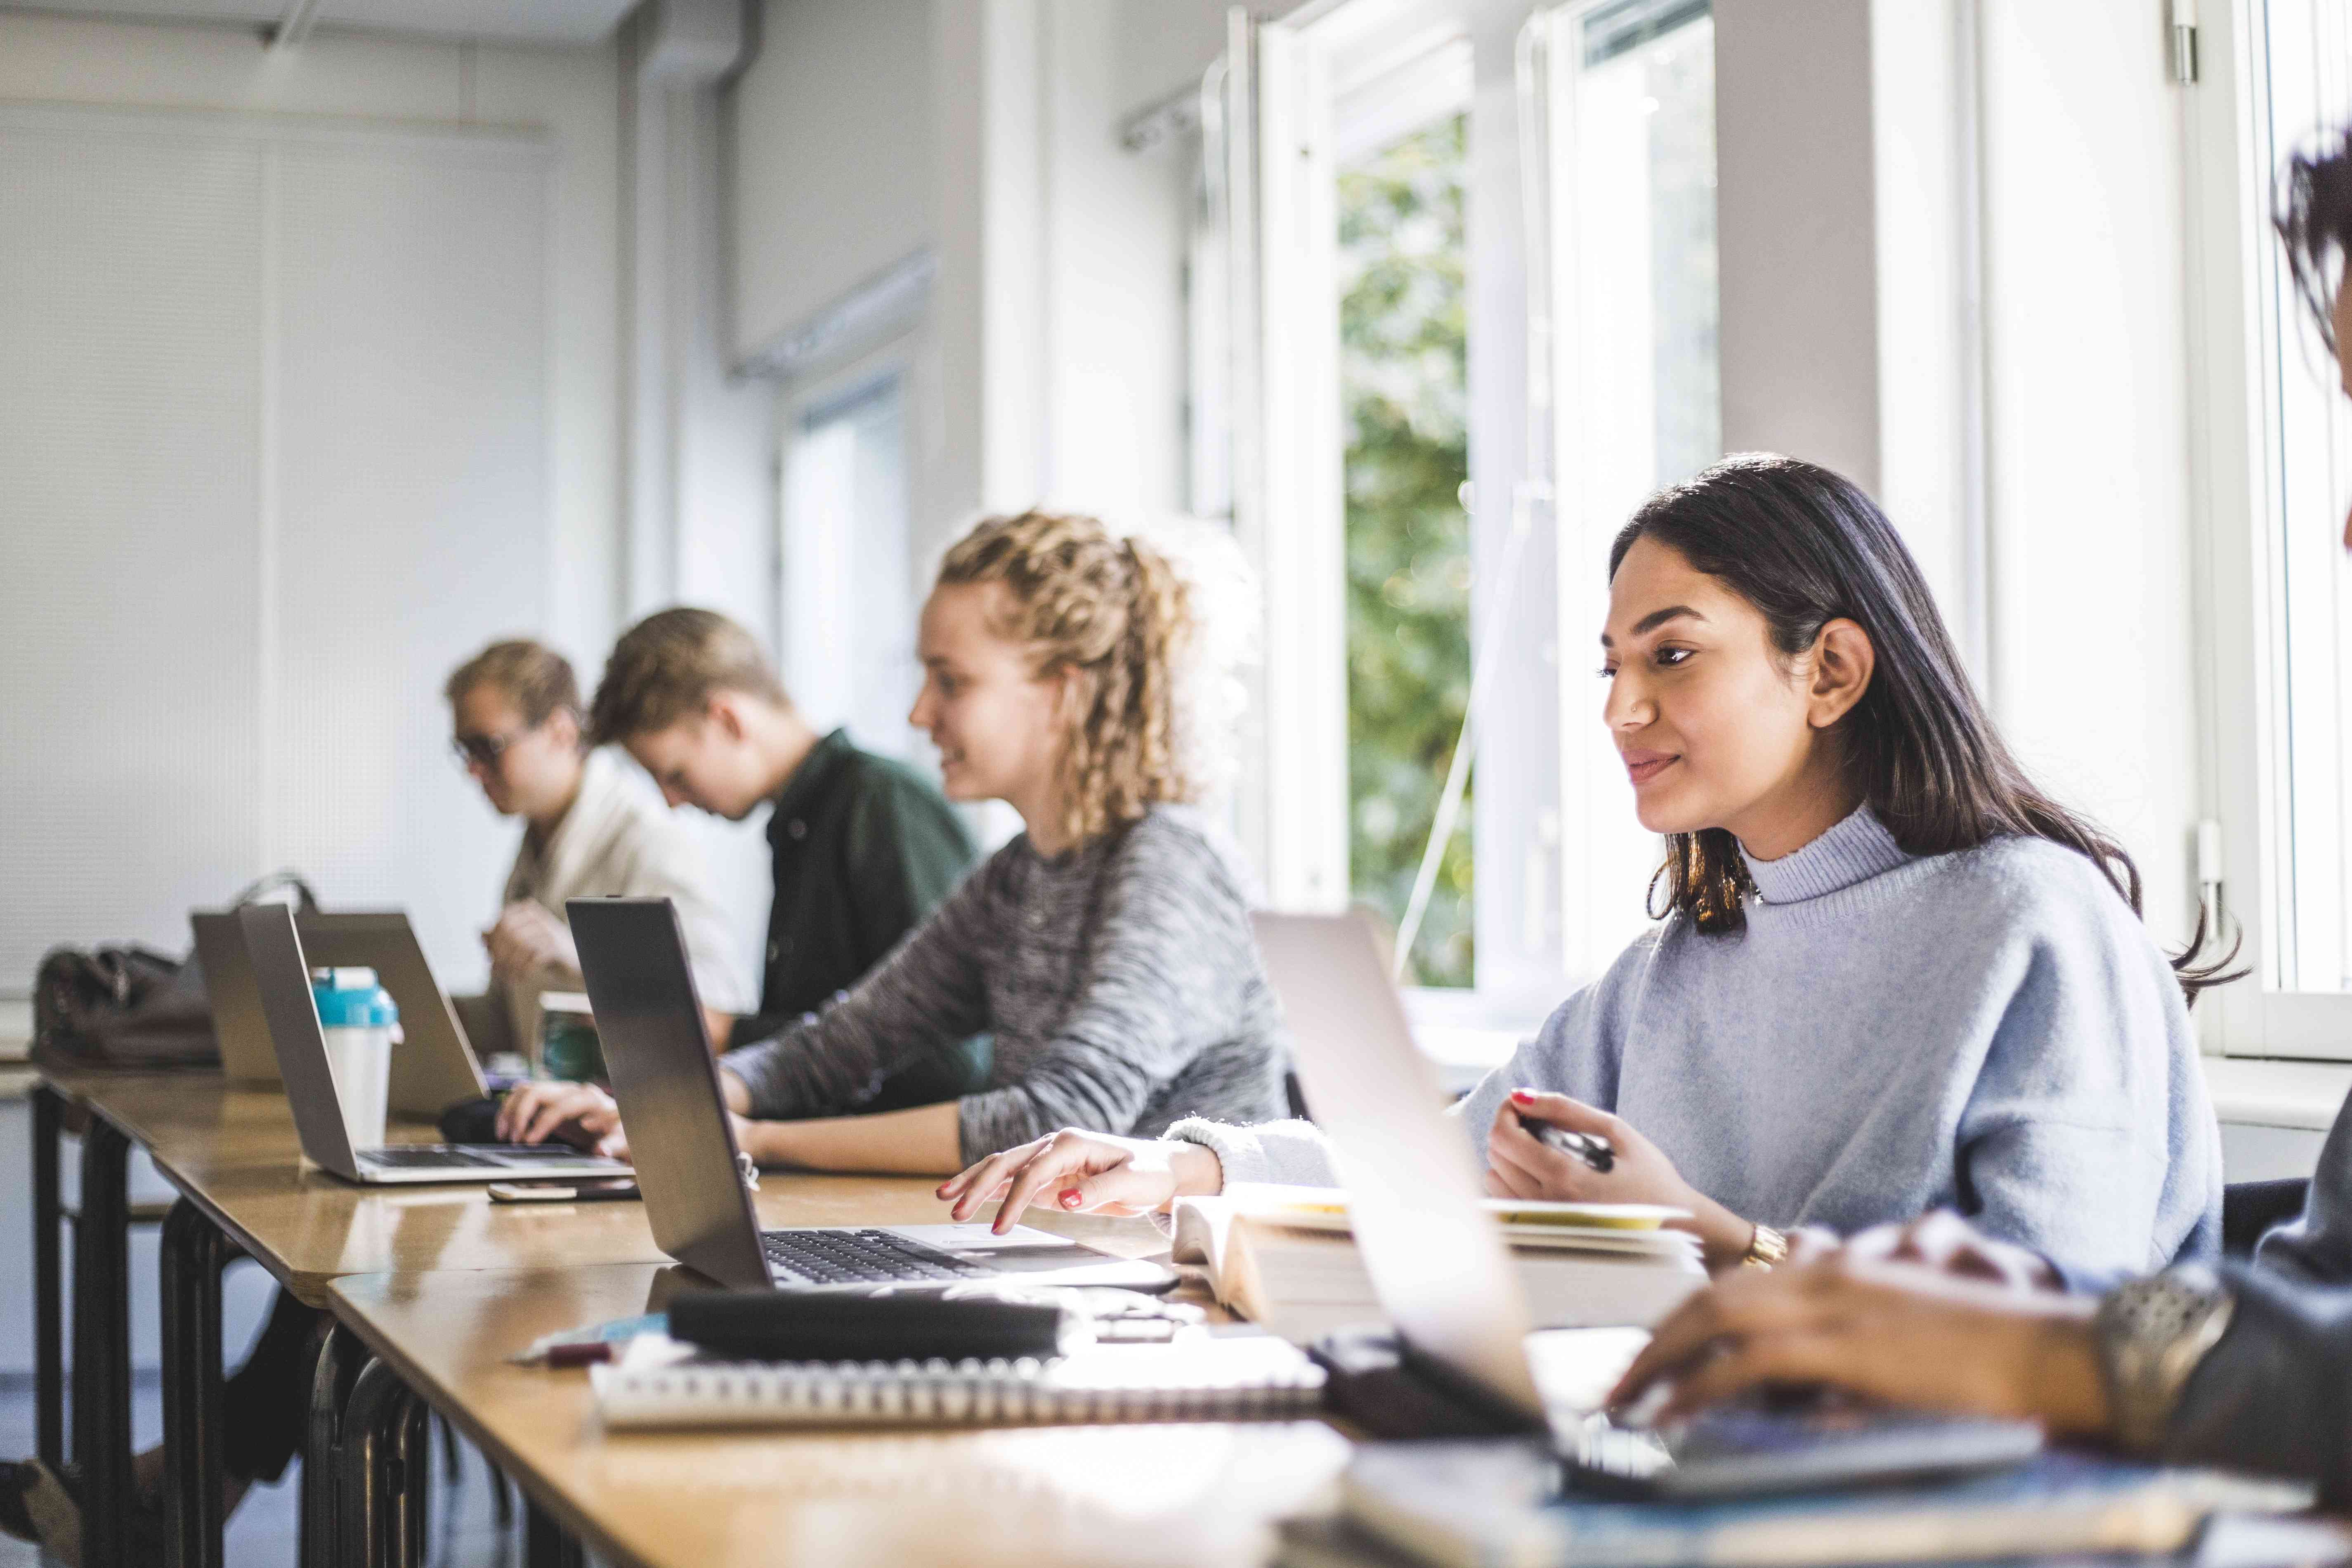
(1201, 1494)
(234, 1156)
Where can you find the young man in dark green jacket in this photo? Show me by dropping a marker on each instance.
(863, 846)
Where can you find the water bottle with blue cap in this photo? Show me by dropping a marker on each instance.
(361, 1025)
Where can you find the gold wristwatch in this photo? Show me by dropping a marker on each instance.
(1765, 1248)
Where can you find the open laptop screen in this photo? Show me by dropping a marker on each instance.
(649, 1019)
(1437, 1264)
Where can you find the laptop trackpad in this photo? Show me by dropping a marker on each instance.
(1020, 1250)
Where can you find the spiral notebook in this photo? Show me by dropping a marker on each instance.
(1197, 1377)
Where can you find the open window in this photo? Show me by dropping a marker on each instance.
(2275, 469)
(1472, 307)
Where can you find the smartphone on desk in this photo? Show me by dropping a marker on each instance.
(609, 1189)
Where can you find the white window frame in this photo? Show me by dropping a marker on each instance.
(897, 359)
(2233, 330)
(1281, 81)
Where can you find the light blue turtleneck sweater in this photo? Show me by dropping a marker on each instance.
(1990, 1031)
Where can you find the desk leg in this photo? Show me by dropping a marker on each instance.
(337, 1362)
(545, 1543)
(386, 1471)
(195, 1252)
(101, 1364)
(48, 1307)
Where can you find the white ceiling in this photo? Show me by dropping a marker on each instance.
(523, 21)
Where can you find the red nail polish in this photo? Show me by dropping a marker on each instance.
(1072, 1197)
(1523, 1096)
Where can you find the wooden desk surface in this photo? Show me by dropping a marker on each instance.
(1203, 1494)
(235, 1154)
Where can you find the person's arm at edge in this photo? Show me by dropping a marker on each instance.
(2273, 1392)
(918, 1141)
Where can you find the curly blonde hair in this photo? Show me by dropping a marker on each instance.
(1114, 615)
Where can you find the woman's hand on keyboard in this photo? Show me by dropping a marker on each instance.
(577, 1113)
(1073, 1171)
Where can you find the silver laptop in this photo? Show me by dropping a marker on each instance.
(1444, 1276)
(1439, 1267)
(696, 1182)
(246, 1054)
(281, 978)
(435, 1066)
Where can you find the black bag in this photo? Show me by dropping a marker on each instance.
(128, 1008)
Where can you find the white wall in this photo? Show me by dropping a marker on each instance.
(2087, 424)
(832, 148)
(1847, 131)
(1795, 228)
(1050, 364)
(569, 93)
(335, 464)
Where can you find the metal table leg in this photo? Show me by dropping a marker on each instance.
(386, 1472)
(336, 1365)
(101, 1364)
(195, 1252)
(546, 1544)
(48, 1307)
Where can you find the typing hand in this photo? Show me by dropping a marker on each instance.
(577, 1113)
(1894, 1332)
(1074, 1171)
(529, 940)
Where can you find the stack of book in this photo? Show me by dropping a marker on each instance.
(1284, 1258)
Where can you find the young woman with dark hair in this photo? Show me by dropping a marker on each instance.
(2249, 1366)
(1891, 975)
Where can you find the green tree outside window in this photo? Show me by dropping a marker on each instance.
(1404, 383)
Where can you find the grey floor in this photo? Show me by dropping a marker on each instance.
(464, 1529)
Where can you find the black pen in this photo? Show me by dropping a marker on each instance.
(1589, 1147)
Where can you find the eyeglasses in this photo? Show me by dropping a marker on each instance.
(484, 750)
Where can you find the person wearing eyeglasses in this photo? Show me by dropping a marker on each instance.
(515, 728)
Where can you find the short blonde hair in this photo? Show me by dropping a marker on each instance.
(538, 678)
(1116, 616)
(668, 665)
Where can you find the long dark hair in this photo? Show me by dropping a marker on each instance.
(1806, 546)
(2313, 214)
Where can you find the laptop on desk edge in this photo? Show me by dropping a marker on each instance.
(281, 979)
(665, 1078)
(1444, 1275)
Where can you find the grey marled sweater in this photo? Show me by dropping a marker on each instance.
(1120, 981)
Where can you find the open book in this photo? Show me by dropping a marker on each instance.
(1282, 1257)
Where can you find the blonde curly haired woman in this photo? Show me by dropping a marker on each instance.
(1107, 948)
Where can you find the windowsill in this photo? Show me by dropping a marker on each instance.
(2251, 1091)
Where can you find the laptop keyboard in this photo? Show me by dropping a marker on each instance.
(443, 1156)
(425, 1156)
(860, 1257)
